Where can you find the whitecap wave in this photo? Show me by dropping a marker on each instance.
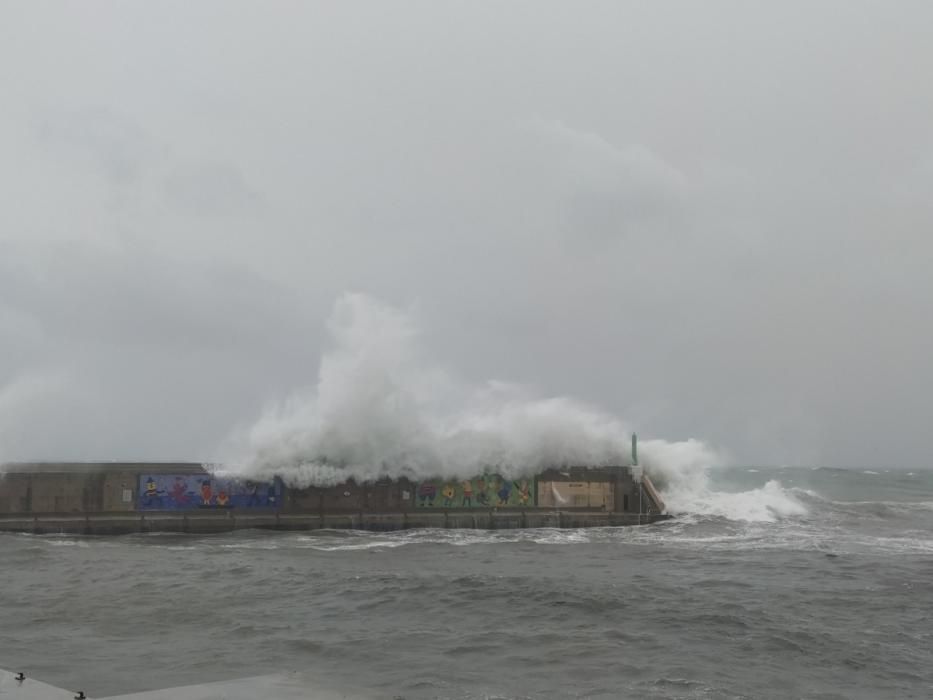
(378, 409)
(766, 504)
(58, 541)
(682, 472)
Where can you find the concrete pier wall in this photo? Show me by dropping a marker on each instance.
(107, 524)
(78, 487)
(117, 498)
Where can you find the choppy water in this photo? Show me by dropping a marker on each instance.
(818, 587)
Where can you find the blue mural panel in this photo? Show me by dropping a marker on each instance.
(486, 491)
(203, 491)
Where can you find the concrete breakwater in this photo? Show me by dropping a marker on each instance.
(120, 498)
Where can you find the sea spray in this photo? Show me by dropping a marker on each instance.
(379, 409)
(682, 471)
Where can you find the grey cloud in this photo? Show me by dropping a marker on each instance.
(108, 140)
(211, 189)
(707, 219)
(136, 297)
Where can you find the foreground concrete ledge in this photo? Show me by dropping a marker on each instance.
(273, 687)
(12, 688)
(227, 521)
(293, 686)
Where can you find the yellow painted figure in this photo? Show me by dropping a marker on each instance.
(524, 494)
(467, 501)
(448, 493)
(153, 496)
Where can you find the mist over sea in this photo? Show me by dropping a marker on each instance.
(769, 583)
(311, 245)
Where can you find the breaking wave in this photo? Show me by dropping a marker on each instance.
(682, 472)
(767, 504)
(378, 410)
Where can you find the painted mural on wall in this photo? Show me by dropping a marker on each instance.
(194, 491)
(487, 491)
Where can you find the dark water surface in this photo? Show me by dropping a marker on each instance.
(824, 590)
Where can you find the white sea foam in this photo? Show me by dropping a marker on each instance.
(682, 472)
(378, 409)
(357, 546)
(766, 504)
(358, 541)
(57, 541)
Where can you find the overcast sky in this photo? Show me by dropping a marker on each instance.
(713, 219)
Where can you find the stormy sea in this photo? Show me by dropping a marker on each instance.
(768, 583)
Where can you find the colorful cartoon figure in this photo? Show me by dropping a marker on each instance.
(481, 496)
(448, 493)
(505, 491)
(271, 495)
(524, 493)
(427, 492)
(179, 491)
(206, 493)
(252, 493)
(222, 498)
(491, 487)
(467, 501)
(152, 496)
